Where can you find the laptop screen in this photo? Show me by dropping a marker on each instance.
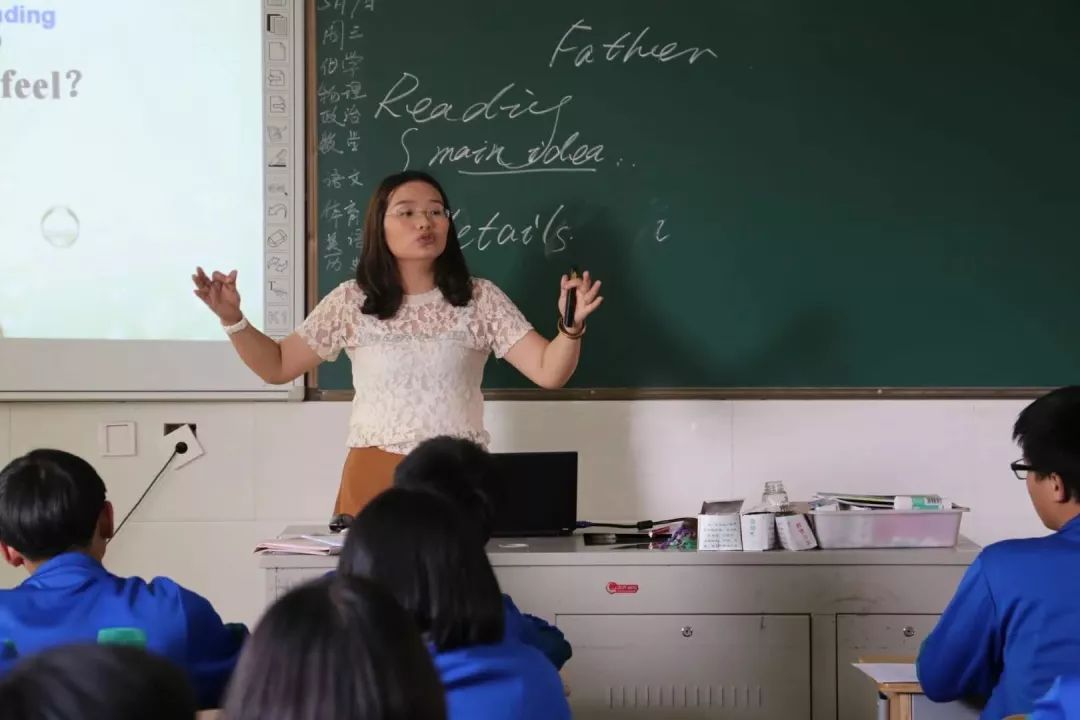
(537, 494)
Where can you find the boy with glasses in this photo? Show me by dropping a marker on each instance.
(1014, 624)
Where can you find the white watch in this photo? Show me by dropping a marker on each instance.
(233, 329)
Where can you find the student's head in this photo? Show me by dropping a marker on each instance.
(408, 222)
(88, 682)
(420, 548)
(52, 502)
(1048, 432)
(335, 648)
(458, 470)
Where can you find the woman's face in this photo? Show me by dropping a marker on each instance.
(416, 222)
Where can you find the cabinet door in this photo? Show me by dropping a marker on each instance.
(734, 667)
(872, 636)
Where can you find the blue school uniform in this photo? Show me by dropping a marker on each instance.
(9, 656)
(1012, 627)
(505, 681)
(536, 632)
(1062, 702)
(72, 597)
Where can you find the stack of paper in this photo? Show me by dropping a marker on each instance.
(303, 545)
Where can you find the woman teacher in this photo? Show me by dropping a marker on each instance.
(418, 330)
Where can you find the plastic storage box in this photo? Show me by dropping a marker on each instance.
(887, 528)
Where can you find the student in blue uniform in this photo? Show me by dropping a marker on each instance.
(422, 550)
(1062, 702)
(55, 522)
(91, 682)
(464, 473)
(1014, 624)
(338, 648)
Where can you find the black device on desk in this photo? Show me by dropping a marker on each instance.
(536, 494)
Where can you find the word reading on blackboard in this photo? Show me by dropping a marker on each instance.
(618, 51)
(421, 110)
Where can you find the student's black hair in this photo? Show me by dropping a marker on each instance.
(95, 682)
(50, 501)
(458, 470)
(420, 548)
(377, 270)
(340, 648)
(1048, 432)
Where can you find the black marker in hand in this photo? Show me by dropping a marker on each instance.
(571, 302)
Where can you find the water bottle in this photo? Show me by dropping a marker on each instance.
(775, 497)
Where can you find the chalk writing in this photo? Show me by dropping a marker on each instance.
(334, 34)
(332, 212)
(328, 144)
(425, 109)
(354, 90)
(328, 94)
(329, 117)
(619, 51)
(334, 180)
(351, 64)
(332, 252)
(352, 213)
(660, 229)
(352, 115)
(353, 141)
(551, 231)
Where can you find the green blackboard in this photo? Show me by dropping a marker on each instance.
(776, 193)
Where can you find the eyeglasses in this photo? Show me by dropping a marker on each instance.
(1022, 469)
(431, 214)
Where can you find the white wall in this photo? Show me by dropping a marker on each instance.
(272, 464)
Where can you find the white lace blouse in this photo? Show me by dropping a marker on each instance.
(416, 375)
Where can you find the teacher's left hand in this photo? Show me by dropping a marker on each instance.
(587, 297)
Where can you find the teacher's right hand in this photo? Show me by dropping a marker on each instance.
(219, 293)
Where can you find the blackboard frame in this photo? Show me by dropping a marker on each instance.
(315, 393)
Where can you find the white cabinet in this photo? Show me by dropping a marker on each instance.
(767, 635)
(737, 667)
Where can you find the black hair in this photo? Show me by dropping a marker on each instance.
(337, 647)
(458, 470)
(50, 502)
(420, 547)
(1048, 432)
(96, 682)
(377, 270)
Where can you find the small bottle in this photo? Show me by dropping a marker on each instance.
(775, 497)
(921, 502)
(131, 636)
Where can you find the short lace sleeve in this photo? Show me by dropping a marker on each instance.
(503, 322)
(325, 328)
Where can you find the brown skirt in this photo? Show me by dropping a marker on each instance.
(367, 472)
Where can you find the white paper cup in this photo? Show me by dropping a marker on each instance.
(719, 532)
(758, 531)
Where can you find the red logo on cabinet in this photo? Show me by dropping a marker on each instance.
(615, 588)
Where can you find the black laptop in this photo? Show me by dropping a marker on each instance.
(536, 494)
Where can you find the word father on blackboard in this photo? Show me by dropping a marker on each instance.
(619, 50)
